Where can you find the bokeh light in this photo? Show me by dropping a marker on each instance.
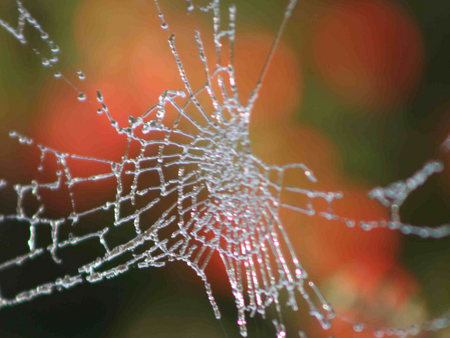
(369, 52)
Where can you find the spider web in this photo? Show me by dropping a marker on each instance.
(213, 195)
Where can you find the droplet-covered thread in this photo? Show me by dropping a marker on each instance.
(213, 195)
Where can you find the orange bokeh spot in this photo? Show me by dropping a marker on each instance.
(68, 125)
(369, 52)
(282, 88)
(135, 50)
(328, 246)
(374, 293)
(120, 38)
(290, 142)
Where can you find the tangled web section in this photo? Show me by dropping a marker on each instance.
(212, 196)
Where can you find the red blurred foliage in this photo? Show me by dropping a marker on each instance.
(370, 52)
(332, 245)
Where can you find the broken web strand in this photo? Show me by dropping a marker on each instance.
(259, 239)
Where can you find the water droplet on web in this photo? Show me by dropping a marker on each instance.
(57, 75)
(190, 5)
(327, 307)
(164, 24)
(81, 75)
(358, 327)
(46, 62)
(350, 223)
(281, 334)
(365, 226)
(413, 330)
(81, 97)
(379, 333)
(55, 49)
(132, 120)
(99, 96)
(99, 111)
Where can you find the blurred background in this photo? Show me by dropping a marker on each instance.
(358, 90)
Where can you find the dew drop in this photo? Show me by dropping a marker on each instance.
(413, 330)
(379, 333)
(99, 96)
(350, 223)
(57, 75)
(81, 75)
(365, 226)
(81, 97)
(45, 62)
(358, 327)
(132, 120)
(55, 49)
